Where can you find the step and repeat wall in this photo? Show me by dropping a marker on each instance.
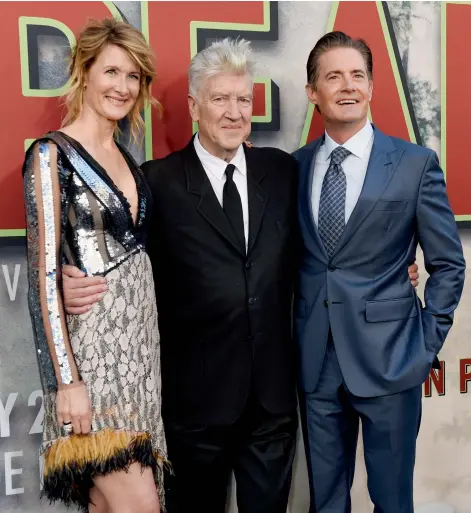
(422, 52)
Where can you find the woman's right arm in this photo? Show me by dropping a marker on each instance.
(43, 204)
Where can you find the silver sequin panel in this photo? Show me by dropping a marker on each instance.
(51, 262)
(46, 368)
(92, 244)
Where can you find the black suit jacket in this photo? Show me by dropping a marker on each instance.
(224, 316)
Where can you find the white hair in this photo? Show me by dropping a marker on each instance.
(226, 56)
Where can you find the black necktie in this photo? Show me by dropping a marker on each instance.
(233, 206)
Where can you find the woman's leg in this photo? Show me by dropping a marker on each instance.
(131, 491)
(97, 502)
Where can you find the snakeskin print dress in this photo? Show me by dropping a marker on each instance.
(76, 215)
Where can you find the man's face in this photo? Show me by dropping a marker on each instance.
(343, 90)
(223, 111)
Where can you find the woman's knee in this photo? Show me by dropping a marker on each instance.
(131, 491)
(141, 505)
(148, 505)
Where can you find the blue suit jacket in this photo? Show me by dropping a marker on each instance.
(385, 340)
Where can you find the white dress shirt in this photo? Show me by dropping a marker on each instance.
(354, 167)
(215, 170)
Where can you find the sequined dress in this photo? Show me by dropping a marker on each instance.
(76, 215)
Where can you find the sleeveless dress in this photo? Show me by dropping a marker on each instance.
(76, 215)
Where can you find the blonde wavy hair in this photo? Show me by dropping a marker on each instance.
(95, 36)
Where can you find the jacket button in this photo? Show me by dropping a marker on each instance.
(326, 303)
(251, 300)
(331, 268)
(248, 265)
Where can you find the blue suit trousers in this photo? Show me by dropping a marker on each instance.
(331, 416)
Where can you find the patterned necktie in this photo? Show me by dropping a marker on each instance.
(232, 205)
(331, 222)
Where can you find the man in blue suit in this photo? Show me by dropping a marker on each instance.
(366, 200)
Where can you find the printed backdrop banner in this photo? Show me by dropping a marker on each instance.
(422, 52)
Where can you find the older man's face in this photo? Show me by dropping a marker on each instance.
(223, 111)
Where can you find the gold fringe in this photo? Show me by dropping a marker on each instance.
(71, 463)
(78, 450)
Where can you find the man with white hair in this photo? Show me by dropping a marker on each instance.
(223, 251)
(223, 248)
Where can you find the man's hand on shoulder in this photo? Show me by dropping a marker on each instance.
(81, 291)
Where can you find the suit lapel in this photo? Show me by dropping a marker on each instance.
(257, 196)
(306, 163)
(382, 164)
(208, 206)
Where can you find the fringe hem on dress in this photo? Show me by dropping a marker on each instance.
(71, 463)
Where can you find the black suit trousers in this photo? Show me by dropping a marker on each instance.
(259, 447)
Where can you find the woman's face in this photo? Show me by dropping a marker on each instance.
(112, 84)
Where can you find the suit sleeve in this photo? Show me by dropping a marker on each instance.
(297, 238)
(152, 171)
(43, 222)
(443, 255)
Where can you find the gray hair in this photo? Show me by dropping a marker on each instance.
(226, 56)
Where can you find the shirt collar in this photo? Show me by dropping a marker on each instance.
(216, 165)
(357, 144)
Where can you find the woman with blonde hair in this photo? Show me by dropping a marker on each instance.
(87, 204)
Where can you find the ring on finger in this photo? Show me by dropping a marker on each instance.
(66, 428)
